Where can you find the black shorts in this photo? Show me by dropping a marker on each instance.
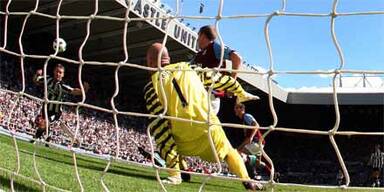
(52, 116)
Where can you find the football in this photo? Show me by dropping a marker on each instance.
(59, 44)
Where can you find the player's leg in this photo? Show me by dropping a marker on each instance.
(52, 117)
(67, 130)
(376, 177)
(264, 164)
(250, 164)
(167, 149)
(39, 124)
(184, 166)
(236, 165)
(255, 158)
(160, 130)
(230, 155)
(227, 83)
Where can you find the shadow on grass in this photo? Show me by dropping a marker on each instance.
(57, 152)
(6, 183)
(65, 157)
(100, 166)
(93, 164)
(211, 184)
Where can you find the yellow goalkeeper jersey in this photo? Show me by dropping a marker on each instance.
(186, 97)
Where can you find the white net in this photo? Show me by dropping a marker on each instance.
(81, 62)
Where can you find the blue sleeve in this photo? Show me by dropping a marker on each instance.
(249, 119)
(217, 50)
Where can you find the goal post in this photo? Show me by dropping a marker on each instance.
(172, 32)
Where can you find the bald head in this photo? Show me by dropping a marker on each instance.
(153, 55)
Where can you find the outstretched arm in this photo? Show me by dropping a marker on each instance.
(229, 54)
(38, 78)
(249, 136)
(77, 91)
(236, 62)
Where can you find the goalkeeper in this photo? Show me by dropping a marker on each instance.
(188, 99)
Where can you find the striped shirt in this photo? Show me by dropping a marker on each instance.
(56, 92)
(377, 159)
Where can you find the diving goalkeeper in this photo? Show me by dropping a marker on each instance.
(187, 98)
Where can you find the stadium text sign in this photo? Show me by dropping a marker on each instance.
(177, 30)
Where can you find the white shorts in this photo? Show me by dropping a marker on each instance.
(215, 102)
(254, 148)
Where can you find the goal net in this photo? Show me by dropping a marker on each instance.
(106, 42)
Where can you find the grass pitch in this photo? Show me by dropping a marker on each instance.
(56, 169)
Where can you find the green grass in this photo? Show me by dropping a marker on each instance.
(56, 169)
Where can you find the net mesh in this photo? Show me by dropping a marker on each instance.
(81, 62)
